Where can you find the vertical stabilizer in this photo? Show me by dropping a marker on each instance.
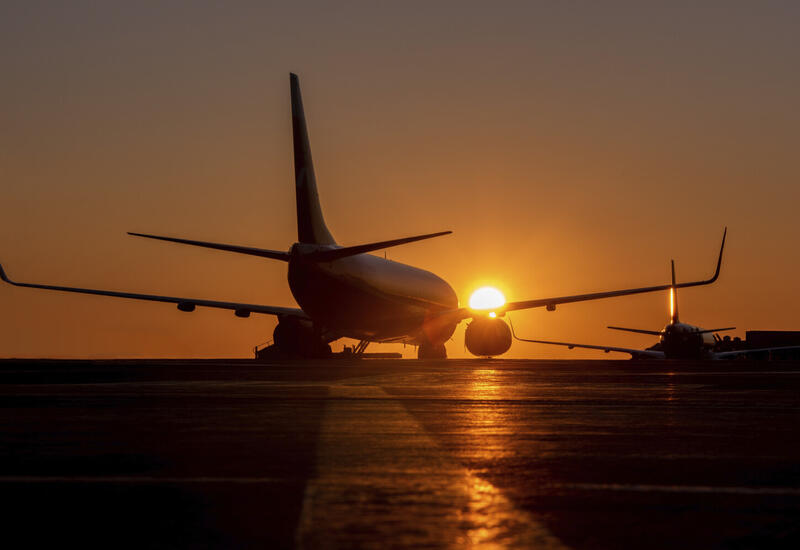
(673, 298)
(311, 226)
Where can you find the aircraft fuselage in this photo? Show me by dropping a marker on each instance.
(685, 341)
(371, 298)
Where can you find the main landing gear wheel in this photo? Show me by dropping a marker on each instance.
(431, 351)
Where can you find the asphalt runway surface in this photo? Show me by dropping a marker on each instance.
(404, 454)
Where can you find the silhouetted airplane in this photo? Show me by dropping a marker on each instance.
(345, 292)
(678, 340)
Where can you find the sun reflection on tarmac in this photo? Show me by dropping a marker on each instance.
(490, 519)
(488, 516)
(486, 417)
(484, 384)
(374, 456)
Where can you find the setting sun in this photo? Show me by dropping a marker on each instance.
(486, 297)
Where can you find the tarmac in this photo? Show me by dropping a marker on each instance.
(399, 454)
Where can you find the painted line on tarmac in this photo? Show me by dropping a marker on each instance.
(381, 478)
(139, 479)
(707, 489)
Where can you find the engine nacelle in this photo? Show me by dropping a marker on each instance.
(296, 337)
(487, 337)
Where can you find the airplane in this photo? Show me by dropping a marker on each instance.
(343, 291)
(677, 340)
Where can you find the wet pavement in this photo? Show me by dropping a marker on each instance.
(377, 454)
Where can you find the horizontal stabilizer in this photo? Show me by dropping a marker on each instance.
(639, 330)
(337, 253)
(707, 330)
(262, 252)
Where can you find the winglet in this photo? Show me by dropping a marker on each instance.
(5, 277)
(716, 271)
(719, 260)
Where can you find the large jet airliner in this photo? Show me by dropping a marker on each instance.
(343, 291)
(677, 340)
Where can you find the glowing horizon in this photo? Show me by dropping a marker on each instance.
(570, 149)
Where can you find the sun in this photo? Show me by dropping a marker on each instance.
(486, 297)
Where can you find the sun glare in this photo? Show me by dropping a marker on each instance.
(486, 297)
(672, 303)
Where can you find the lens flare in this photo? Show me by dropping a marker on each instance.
(486, 297)
(672, 303)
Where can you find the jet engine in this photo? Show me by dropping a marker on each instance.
(487, 337)
(296, 337)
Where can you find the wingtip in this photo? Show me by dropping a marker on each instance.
(721, 250)
(145, 235)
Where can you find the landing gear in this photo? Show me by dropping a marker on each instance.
(359, 350)
(278, 353)
(356, 351)
(295, 339)
(431, 351)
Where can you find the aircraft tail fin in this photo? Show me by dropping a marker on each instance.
(311, 226)
(673, 298)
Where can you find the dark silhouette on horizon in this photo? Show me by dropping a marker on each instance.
(343, 291)
(679, 340)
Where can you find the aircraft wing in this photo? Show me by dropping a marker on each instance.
(734, 354)
(635, 353)
(184, 304)
(550, 303)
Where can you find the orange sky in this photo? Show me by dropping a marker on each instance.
(570, 148)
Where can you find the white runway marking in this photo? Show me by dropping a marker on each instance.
(382, 479)
(137, 479)
(709, 489)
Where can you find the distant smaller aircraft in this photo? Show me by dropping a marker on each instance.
(677, 340)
